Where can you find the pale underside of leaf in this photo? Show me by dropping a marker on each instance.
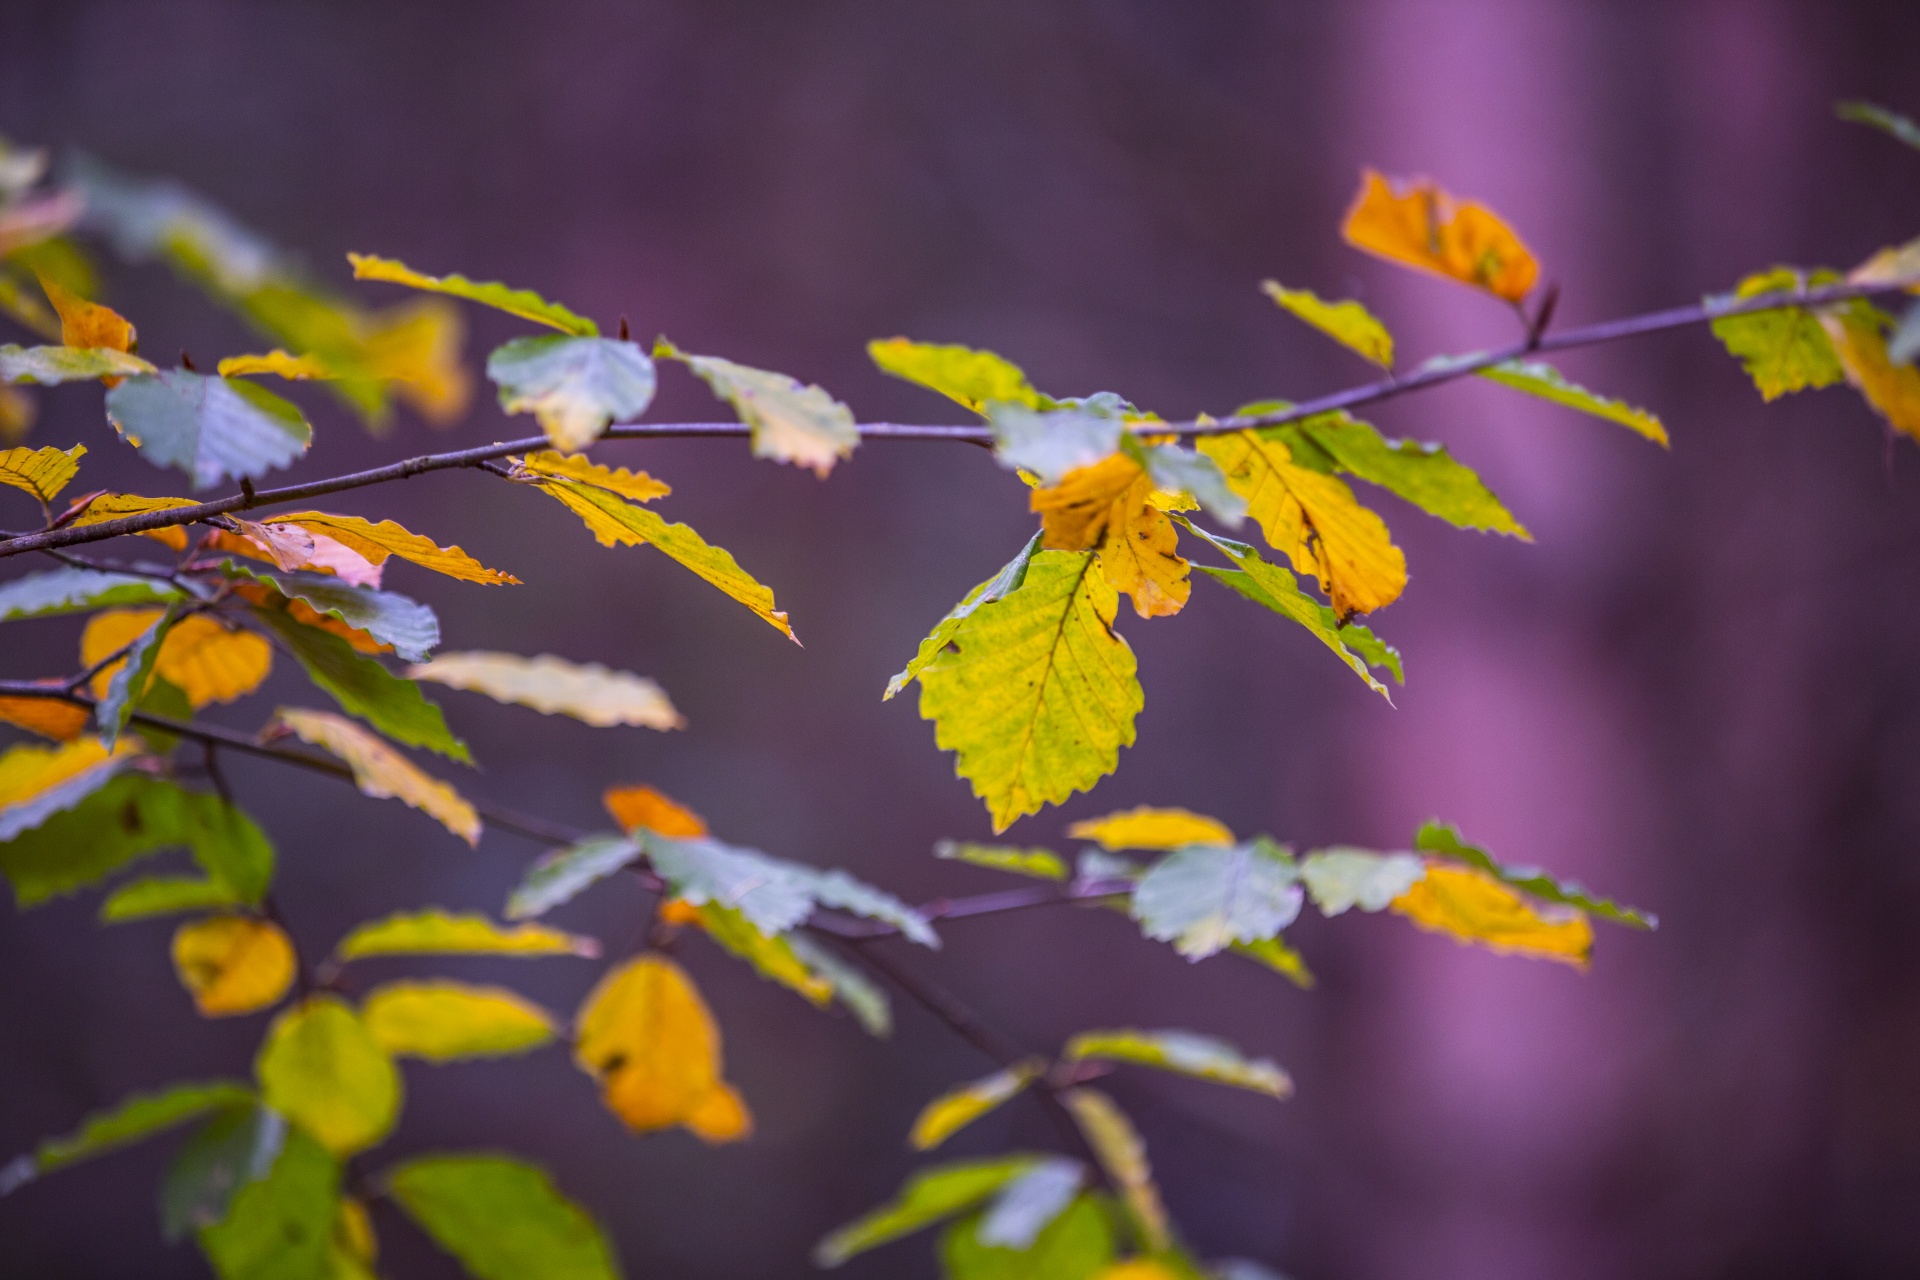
(1203, 899)
(550, 685)
(382, 772)
(952, 1111)
(211, 428)
(574, 386)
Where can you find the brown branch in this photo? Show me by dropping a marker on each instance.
(1432, 374)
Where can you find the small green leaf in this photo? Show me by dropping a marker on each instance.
(1203, 899)
(1183, 1052)
(559, 875)
(50, 366)
(803, 425)
(954, 1110)
(502, 1218)
(1347, 323)
(772, 955)
(929, 1196)
(1785, 349)
(165, 896)
(1543, 380)
(1041, 864)
(58, 591)
(441, 933)
(322, 1068)
(211, 428)
(366, 689)
(1441, 840)
(1888, 122)
(1076, 1245)
(140, 1116)
(1341, 878)
(575, 387)
(234, 1148)
(999, 586)
(1052, 444)
(280, 1227)
(524, 303)
(973, 378)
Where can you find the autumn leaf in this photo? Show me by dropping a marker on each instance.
(1860, 344)
(559, 875)
(550, 685)
(1204, 898)
(382, 772)
(642, 806)
(285, 1222)
(774, 894)
(51, 366)
(103, 507)
(152, 896)
(1440, 840)
(370, 621)
(1339, 879)
(789, 422)
(88, 325)
(952, 1111)
(575, 387)
(502, 1218)
(1041, 864)
(1035, 693)
(40, 472)
(1002, 584)
(637, 486)
(441, 933)
(1348, 323)
(1053, 445)
(645, 1034)
(322, 1068)
(364, 687)
(17, 414)
(1274, 953)
(771, 955)
(972, 378)
(1146, 827)
(38, 782)
(1035, 1215)
(1543, 380)
(376, 542)
(524, 303)
(1475, 907)
(233, 964)
(1123, 1156)
(1418, 225)
(211, 428)
(48, 717)
(1785, 349)
(279, 364)
(1314, 518)
(1108, 508)
(207, 661)
(444, 1021)
(1184, 1053)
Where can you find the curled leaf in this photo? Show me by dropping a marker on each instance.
(233, 964)
(40, 472)
(524, 303)
(382, 772)
(1418, 225)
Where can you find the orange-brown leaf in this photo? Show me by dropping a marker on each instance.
(88, 324)
(1418, 225)
(646, 1035)
(48, 717)
(642, 806)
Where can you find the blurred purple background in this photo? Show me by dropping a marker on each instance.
(1696, 690)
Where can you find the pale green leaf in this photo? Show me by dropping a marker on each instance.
(803, 425)
(444, 1021)
(1027, 1205)
(524, 303)
(1176, 470)
(322, 1068)
(1183, 1052)
(280, 1227)
(1054, 443)
(930, 1196)
(588, 692)
(954, 1110)
(1341, 878)
(1076, 1245)
(1041, 864)
(851, 987)
(392, 619)
(1784, 350)
(366, 689)
(575, 387)
(1543, 380)
(1037, 694)
(973, 378)
(440, 933)
(502, 1218)
(1348, 323)
(1904, 346)
(140, 1116)
(58, 591)
(559, 875)
(50, 366)
(1444, 841)
(833, 887)
(234, 1148)
(1202, 899)
(1000, 585)
(770, 893)
(211, 428)
(1274, 953)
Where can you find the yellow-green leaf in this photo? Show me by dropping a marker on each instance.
(771, 955)
(503, 1219)
(1347, 323)
(1185, 1053)
(954, 1110)
(40, 472)
(382, 772)
(1418, 225)
(803, 425)
(1784, 349)
(550, 685)
(927, 1197)
(1543, 380)
(50, 366)
(1124, 1157)
(635, 485)
(1041, 864)
(321, 1068)
(442, 933)
(280, 364)
(524, 303)
(645, 1034)
(233, 964)
(443, 1021)
(973, 378)
(1146, 827)
(1274, 953)
(139, 1116)
(1036, 694)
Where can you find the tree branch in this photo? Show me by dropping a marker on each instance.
(1431, 374)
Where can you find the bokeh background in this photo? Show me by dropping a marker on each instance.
(1696, 689)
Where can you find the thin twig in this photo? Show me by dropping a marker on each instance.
(1432, 374)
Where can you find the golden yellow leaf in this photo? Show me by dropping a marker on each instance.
(646, 1035)
(1074, 514)
(1137, 1269)
(28, 771)
(642, 806)
(1150, 828)
(48, 717)
(957, 1108)
(635, 485)
(100, 508)
(1348, 323)
(376, 542)
(416, 345)
(88, 324)
(382, 772)
(40, 472)
(1475, 907)
(1892, 389)
(211, 662)
(1112, 507)
(353, 1234)
(1420, 226)
(588, 692)
(233, 964)
(1315, 519)
(280, 364)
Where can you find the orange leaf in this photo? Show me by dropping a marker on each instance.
(48, 717)
(88, 324)
(646, 1035)
(634, 807)
(1423, 227)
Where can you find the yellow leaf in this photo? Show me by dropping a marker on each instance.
(1150, 828)
(1348, 323)
(17, 412)
(48, 717)
(382, 772)
(954, 1110)
(438, 933)
(88, 324)
(441, 1021)
(772, 956)
(212, 663)
(1137, 1269)
(635, 485)
(233, 964)
(1892, 389)
(1110, 507)
(1123, 1156)
(1074, 514)
(973, 378)
(353, 1234)
(417, 346)
(642, 806)
(616, 523)
(1315, 519)
(27, 772)
(112, 506)
(1475, 907)
(280, 364)
(1423, 227)
(589, 693)
(322, 1069)
(376, 542)
(40, 472)
(645, 1034)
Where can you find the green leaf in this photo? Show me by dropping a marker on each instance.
(1183, 1052)
(998, 587)
(1347, 323)
(1054, 443)
(58, 591)
(616, 522)
(1038, 694)
(524, 303)
(576, 387)
(441, 933)
(140, 1116)
(954, 1110)
(50, 366)
(1123, 1156)
(165, 896)
(1027, 1205)
(393, 619)
(1077, 1245)
(37, 783)
(1202, 899)
(322, 1068)
(1272, 587)
(975, 379)
(803, 425)
(366, 689)
(444, 1021)
(1890, 123)
(236, 1147)
(1543, 380)
(926, 1198)
(1274, 953)
(559, 875)
(1041, 864)
(128, 684)
(1442, 840)
(1340, 878)
(280, 1227)
(502, 1218)
(211, 428)
(863, 999)
(1785, 349)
